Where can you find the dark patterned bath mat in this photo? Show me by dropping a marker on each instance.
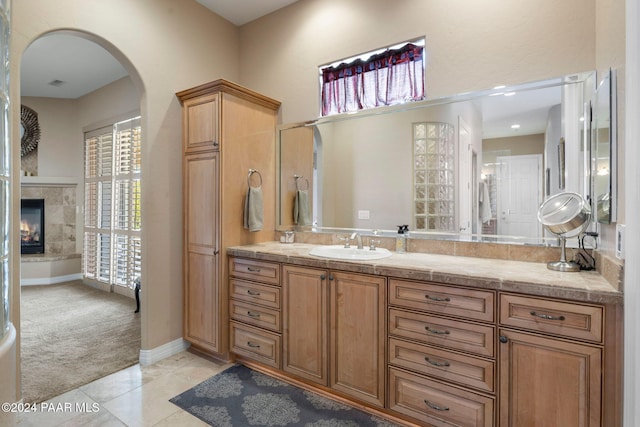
(240, 396)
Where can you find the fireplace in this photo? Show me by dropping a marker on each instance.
(32, 226)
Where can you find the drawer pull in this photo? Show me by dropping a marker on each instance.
(436, 407)
(252, 292)
(253, 270)
(435, 362)
(254, 315)
(436, 331)
(546, 316)
(438, 299)
(253, 345)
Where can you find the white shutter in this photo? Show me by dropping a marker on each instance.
(112, 240)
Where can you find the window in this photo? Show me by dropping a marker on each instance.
(112, 238)
(386, 77)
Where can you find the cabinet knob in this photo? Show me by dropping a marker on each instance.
(331, 277)
(322, 277)
(503, 339)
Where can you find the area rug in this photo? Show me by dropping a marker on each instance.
(240, 396)
(73, 334)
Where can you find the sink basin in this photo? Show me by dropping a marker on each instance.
(352, 253)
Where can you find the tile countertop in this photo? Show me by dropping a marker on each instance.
(503, 275)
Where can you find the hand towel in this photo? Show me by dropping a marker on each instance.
(253, 209)
(301, 212)
(485, 203)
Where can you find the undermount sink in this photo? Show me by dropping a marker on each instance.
(352, 253)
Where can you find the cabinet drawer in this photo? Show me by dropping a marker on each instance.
(266, 272)
(454, 334)
(551, 316)
(256, 344)
(256, 315)
(437, 404)
(469, 303)
(255, 293)
(443, 364)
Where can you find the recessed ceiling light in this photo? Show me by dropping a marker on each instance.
(56, 83)
(515, 126)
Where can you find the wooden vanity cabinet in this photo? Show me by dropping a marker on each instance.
(334, 331)
(227, 129)
(255, 310)
(442, 353)
(551, 362)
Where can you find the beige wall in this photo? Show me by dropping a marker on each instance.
(470, 45)
(167, 46)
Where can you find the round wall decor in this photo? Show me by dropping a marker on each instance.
(29, 130)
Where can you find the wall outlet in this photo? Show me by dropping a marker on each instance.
(363, 214)
(620, 240)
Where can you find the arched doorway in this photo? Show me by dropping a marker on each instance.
(80, 85)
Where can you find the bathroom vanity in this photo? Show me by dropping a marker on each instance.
(432, 339)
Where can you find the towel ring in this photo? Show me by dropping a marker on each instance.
(298, 178)
(251, 172)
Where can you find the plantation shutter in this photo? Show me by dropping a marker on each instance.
(112, 246)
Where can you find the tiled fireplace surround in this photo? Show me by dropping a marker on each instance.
(60, 216)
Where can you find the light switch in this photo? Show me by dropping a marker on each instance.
(363, 214)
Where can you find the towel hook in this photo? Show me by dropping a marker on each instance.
(298, 178)
(251, 172)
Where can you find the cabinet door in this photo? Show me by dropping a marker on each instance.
(548, 382)
(200, 118)
(305, 313)
(201, 288)
(357, 306)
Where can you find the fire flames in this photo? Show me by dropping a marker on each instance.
(28, 232)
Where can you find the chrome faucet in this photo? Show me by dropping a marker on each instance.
(358, 238)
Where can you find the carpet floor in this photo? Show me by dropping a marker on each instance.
(73, 334)
(240, 396)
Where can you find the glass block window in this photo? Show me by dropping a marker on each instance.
(433, 176)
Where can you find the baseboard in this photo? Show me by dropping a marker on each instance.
(148, 357)
(50, 280)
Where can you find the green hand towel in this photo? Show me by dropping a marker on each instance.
(253, 209)
(301, 212)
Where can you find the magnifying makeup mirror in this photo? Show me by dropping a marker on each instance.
(566, 215)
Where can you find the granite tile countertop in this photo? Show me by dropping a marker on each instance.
(505, 275)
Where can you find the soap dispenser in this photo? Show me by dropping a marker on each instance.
(401, 239)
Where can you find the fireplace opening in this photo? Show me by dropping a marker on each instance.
(32, 226)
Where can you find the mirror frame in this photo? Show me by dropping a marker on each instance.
(588, 78)
(605, 112)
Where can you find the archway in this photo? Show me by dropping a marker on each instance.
(65, 120)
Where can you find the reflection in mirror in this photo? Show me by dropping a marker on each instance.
(604, 150)
(377, 169)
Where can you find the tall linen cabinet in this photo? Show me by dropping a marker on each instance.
(227, 130)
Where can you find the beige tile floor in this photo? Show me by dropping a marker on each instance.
(136, 396)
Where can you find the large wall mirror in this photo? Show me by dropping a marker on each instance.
(474, 166)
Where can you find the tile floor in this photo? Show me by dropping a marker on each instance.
(136, 396)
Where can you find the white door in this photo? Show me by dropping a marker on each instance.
(465, 199)
(519, 189)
